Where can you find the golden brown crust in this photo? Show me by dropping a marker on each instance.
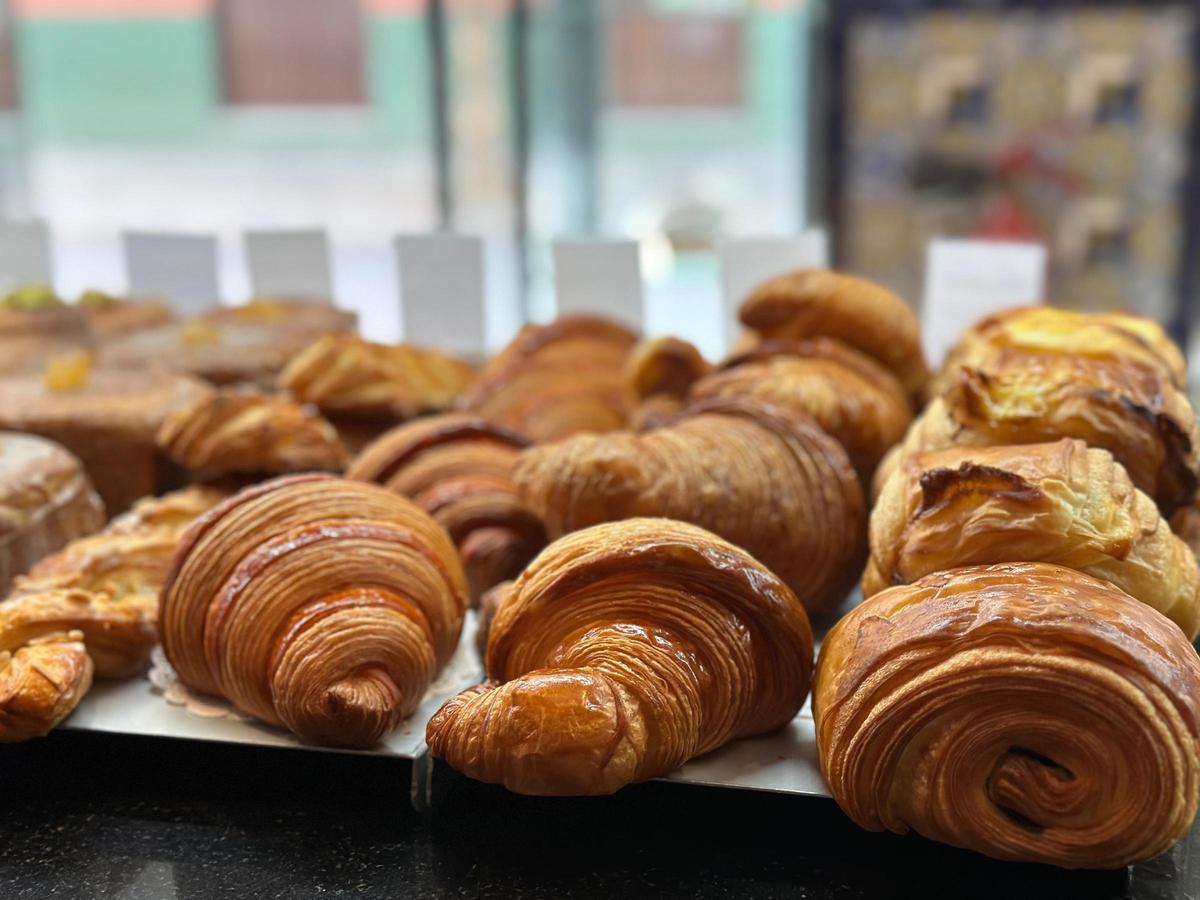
(316, 603)
(31, 338)
(1059, 503)
(852, 397)
(664, 366)
(249, 432)
(1024, 710)
(865, 315)
(623, 651)
(556, 380)
(458, 468)
(764, 478)
(348, 376)
(115, 316)
(1132, 412)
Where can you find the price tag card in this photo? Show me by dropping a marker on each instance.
(441, 291)
(748, 262)
(291, 264)
(967, 280)
(24, 253)
(179, 267)
(599, 277)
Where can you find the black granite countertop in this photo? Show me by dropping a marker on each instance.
(103, 816)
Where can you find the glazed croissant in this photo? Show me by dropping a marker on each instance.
(316, 603)
(458, 468)
(1025, 711)
(1132, 412)
(867, 316)
(1061, 503)
(348, 376)
(241, 431)
(623, 651)
(852, 397)
(764, 478)
(556, 380)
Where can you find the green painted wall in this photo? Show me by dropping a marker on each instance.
(397, 67)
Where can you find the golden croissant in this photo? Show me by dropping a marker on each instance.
(852, 397)
(1132, 412)
(240, 431)
(556, 380)
(320, 604)
(458, 468)
(764, 478)
(1024, 710)
(867, 316)
(1062, 503)
(348, 376)
(664, 365)
(623, 651)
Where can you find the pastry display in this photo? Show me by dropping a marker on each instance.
(1060, 503)
(108, 419)
(764, 478)
(459, 469)
(623, 651)
(319, 604)
(36, 327)
(1133, 412)
(821, 303)
(1024, 710)
(46, 500)
(246, 432)
(664, 367)
(111, 316)
(555, 380)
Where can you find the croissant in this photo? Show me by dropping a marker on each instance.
(458, 468)
(1185, 523)
(245, 431)
(1024, 710)
(316, 603)
(1117, 337)
(865, 315)
(1061, 503)
(555, 380)
(852, 397)
(1132, 412)
(764, 478)
(347, 376)
(623, 651)
(664, 365)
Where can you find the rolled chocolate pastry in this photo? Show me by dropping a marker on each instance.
(623, 651)
(764, 478)
(1060, 503)
(556, 380)
(1133, 412)
(867, 316)
(247, 432)
(319, 604)
(853, 398)
(1024, 710)
(459, 469)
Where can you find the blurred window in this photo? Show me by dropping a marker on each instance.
(678, 61)
(292, 51)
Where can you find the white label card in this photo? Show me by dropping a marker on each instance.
(967, 280)
(441, 291)
(290, 264)
(748, 262)
(24, 253)
(182, 268)
(599, 277)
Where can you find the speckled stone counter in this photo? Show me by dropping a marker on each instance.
(94, 816)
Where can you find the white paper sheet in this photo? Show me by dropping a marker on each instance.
(182, 268)
(290, 263)
(441, 291)
(24, 253)
(600, 277)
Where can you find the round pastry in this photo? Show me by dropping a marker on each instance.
(111, 316)
(36, 326)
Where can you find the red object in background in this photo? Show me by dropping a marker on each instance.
(1006, 220)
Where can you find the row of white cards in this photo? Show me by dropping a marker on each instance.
(442, 276)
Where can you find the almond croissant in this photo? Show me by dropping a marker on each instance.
(458, 468)
(867, 316)
(1061, 503)
(1025, 711)
(320, 604)
(764, 478)
(556, 380)
(623, 651)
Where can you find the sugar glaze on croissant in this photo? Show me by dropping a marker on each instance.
(1023, 710)
(620, 653)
